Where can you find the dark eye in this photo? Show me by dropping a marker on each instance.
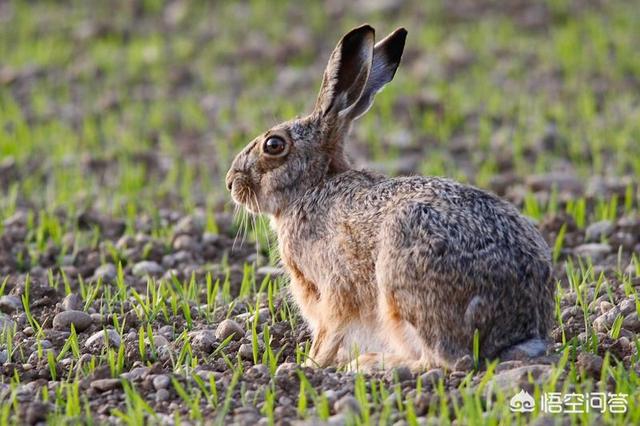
(274, 146)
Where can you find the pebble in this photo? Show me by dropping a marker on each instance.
(6, 323)
(162, 395)
(347, 404)
(246, 351)
(103, 385)
(590, 364)
(161, 381)
(203, 340)
(147, 267)
(464, 363)
(107, 272)
(518, 377)
(598, 230)
(80, 320)
(96, 341)
(595, 251)
(36, 412)
(72, 302)
(432, 376)
(10, 304)
(402, 373)
(227, 328)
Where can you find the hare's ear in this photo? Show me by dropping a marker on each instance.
(347, 72)
(386, 58)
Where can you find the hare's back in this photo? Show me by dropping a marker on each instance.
(459, 220)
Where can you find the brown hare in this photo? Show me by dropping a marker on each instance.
(401, 271)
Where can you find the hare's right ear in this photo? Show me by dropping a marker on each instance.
(347, 72)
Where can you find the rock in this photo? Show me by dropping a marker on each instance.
(519, 377)
(590, 364)
(246, 352)
(72, 302)
(432, 376)
(80, 320)
(286, 368)
(97, 340)
(272, 271)
(161, 381)
(402, 373)
(203, 340)
(36, 412)
(598, 230)
(6, 323)
(4, 356)
(347, 404)
(147, 267)
(595, 251)
(463, 364)
(563, 182)
(632, 322)
(159, 340)
(107, 272)
(263, 316)
(190, 225)
(136, 373)
(103, 385)
(227, 328)
(162, 395)
(10, 304)
(184, 242)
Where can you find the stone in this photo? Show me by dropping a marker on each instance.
(104, 385)
(516, 378)
(595, 251)
(10, 304)
(147, 267)
(96, 341)
(464, 363)
(347, 404)
(402, 373)
(36, 412)
(72, 302)
(246, 352)
(598, 230)
(590, 364)
(161, 381)
(203, 340)
(107, 272)
(6, 323)
(65, 319)
(162, 395)
(228, 328)
(432, 376)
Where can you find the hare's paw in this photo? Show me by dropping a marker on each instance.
(377, 361)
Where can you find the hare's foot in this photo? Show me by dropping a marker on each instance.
(324, 348)
(377, 361)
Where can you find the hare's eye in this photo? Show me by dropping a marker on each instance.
(274, 146)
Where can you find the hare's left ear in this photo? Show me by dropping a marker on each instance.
(347, 73)
(386, 58)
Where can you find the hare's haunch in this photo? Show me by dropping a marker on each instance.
(398, 271)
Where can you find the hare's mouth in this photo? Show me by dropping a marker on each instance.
(243, 194)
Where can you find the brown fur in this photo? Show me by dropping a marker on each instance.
(402, 271)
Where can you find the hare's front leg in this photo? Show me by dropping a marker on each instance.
(324, 348)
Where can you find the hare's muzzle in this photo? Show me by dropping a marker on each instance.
(231, 175)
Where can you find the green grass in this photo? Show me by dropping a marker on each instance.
(124, 110)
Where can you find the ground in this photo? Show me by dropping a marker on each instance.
(131, 293)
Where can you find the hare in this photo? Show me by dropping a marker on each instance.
(389, 272)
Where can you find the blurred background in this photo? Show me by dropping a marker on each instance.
(126, 106)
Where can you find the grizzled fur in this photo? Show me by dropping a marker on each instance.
(401, 271)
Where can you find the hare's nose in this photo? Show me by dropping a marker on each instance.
(231, 175)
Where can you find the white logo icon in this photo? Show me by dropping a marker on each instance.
(522, 402)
